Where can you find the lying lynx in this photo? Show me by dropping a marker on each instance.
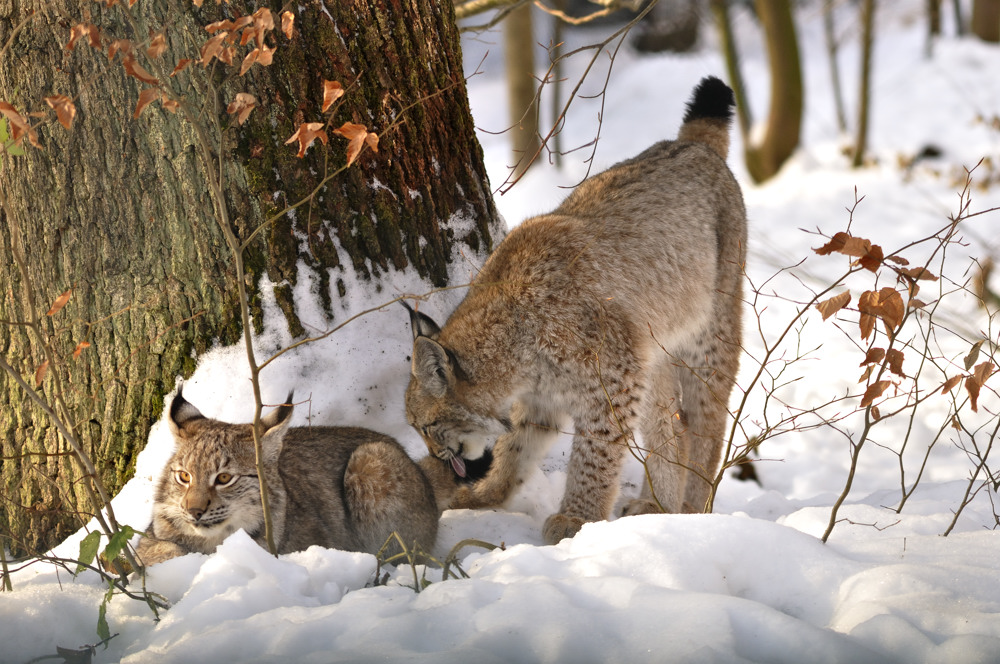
(337, 487)
(622, 310)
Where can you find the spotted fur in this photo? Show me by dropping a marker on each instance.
(620, 310)
(338, 487)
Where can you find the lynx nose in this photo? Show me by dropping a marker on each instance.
(196, 512)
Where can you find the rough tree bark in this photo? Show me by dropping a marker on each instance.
(118, 209)
(985, 22)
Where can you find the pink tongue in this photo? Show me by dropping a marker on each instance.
(458, 465)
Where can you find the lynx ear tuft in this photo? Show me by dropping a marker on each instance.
(182, 413)
(421, 324)
(280, 416)
(431, 366)
(275, 425)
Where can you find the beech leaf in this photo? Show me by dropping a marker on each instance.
(184, 62)
(869, 255)
(895, 358)
(241, 106)
(79, 349)
(950, 384)
(874, 391)
(122, 46)
(919, 273)
(157, 45)
(248, 61)
(64, 108)
(973, 355)
(305, 134)
(834, 304)
(44, 366)
(873, 356)
(287, 23)
(146, 97)
(211, 48)
(135, 70)
(59, 303)
(92, 33)
(332, 91)
(358, 136)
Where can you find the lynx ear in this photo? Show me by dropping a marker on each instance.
(422, 325)
(182, 413)
(275, 425)
(431, 366)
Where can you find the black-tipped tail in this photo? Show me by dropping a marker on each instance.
(711, 99)
(709, 114)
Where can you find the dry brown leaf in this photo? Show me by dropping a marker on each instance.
(919, 273)
(40, 373)
(59, 303)
(306, 133)
(867, 373)
(357, 135)
(92, 33)
(876, 413)
(956, 423)
(135, 70)
(215, 26)
(181, 65)
(211, 48)
(146, 97)
(895, 359)
(973, 355)
(64, 108)
(248, 61)
(332, 91)
(122, 46)
(983, 372)
(371, 140)
(263, 19)
(266, 56)
(79, 349)
(869, 255)
(898, 260)
(169, 104)
(972, 387)
(288, 23)
(227, 54)
(950, 384)
(873, 356)
(241, 106)
(157, 45)
(874, 391)
(916, 304)
(834, 304)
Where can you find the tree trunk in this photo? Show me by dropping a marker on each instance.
(519, 55)
(781, 136)
(864, 95)
(119, 210)
(986, 20)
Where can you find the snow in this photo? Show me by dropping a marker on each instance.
(751, 582)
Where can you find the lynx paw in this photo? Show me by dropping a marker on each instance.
(560, 526)
(641, 506)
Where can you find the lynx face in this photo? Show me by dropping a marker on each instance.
(451, 431)
(213, 491)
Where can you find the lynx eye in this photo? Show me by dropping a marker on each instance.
(183, 477)
(224, 479)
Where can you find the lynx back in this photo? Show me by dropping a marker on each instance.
(338, 487)
(621, 310)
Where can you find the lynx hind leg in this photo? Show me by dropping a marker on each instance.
(707, 380)
(665, 446)
(385, 492)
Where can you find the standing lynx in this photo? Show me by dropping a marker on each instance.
(337, 487)
(621, 310)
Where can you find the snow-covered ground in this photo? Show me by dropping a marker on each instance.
(749, 583)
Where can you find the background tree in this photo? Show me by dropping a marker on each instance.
(519, 55)
(864, 94)
(784, 120)
(986, 20)
(117, 211)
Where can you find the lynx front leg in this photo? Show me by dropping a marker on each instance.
(594, 471)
